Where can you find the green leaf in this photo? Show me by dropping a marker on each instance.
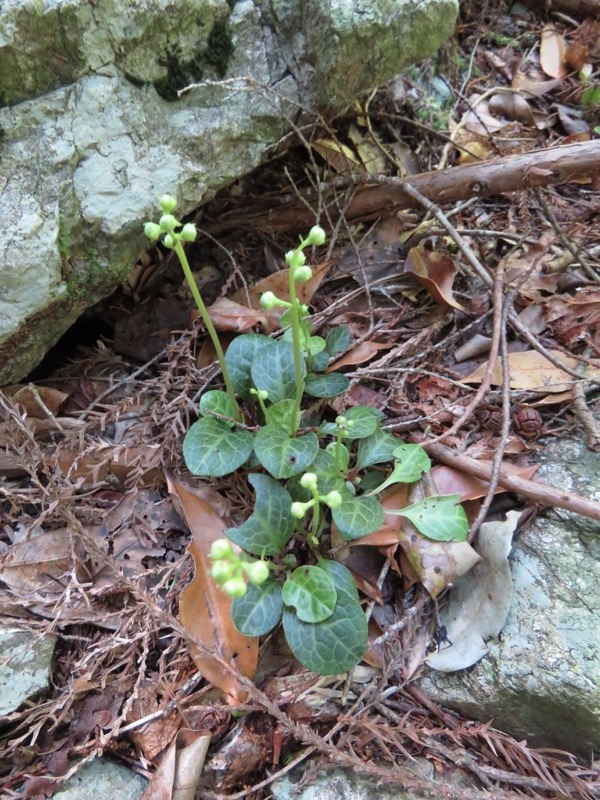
(413, 462)
(217, 402)
(344, 455)
(273, 370)
(239, 357)
(340, 575)
(281, 413)
(364, 419)
(376, 449)
(211, 448)
(440, 518)
(259, 610)
(338, 340)
(329, 478)
(358, 516)
(270, 527)
(335, 645)
(312, 593)
(282, 455)
(320, 362)
(329, 385)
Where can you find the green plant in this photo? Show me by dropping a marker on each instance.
(313, 473)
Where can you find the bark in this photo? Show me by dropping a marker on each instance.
(556, 165)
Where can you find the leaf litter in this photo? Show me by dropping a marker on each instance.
(93, 550)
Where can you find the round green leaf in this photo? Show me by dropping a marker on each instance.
(259, 610)
(320, 362)
(338, 340)
(440, 518)
(281, 414)
(365, 422)
(239, 357)
(211, 448)
(412, 462)
(335, 645)
(312, 593)
(217, 402)
(273, 370)
(376, 449)
(270, 526)
(329, 385)
(358, 516)
(282, 455)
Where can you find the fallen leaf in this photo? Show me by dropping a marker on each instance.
(279, 284)
(110, 460)
(179, 772)
(531, 371)
(435, 272)
(479, 602)
(38, 563)
(339, 157)
(552, 53)
(32, 399)
(370, 154)
(511, 105)
(227, 315)
(359, 354)
(204, 610)
(448, 480)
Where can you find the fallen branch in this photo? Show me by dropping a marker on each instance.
(538, 492)
(516, 173)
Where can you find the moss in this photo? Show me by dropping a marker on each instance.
(214, 58)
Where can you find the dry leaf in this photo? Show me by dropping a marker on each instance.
(479, 602)
(552, 53)
(204, 610)
(448, 480)
(370, 155)
(179, 772)
(435, 272)
(511, 106)
(532, 372)
(37, 563)
(279, 284)
(339, 157)
(227, 315)
(359, 354)
(32, 399)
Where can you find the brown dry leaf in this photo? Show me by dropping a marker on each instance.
(110, 460)
(359, 354)
(204, 610)
(178, 773)
(435, 272)
(511, 105)
(448, 480)
(369, 153)
(227, 315)
(279, 283)
(37, 563)
(532, 372)
(533, 86)
(552, 53)
(29, 397)
(339, 157)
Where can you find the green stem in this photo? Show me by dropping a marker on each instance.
(314, 529)
(296, 344)
(180, 252)
(338, 442)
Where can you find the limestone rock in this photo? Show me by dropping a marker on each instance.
(24, 667)
(94, 129)
(541, 681)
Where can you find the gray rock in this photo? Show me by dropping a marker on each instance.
(103, 779)
(95, 130)
(25, 660)
(541, 681)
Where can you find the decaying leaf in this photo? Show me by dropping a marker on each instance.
(339, 157)
(279, 284)
(227, 315)
(480, 600)
(39, 562)
(552, 53)
(435, 272)
(179, 771)
(204, 610)
(359, 354)
(532, 372)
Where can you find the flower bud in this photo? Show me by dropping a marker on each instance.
(220, 548)
(316, 235)
(152, 231)
(295, 258)
(333, 499)
(221, 571)
(169, 241)
(268, 301)
(167, 203)
(298, 510)
(309, 481)
(258, 572)
(303, 274)
(235, 587)
(341, 422)
(168, 223)
(188, 232)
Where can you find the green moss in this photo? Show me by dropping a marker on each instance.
(63, 238)
(220, 48)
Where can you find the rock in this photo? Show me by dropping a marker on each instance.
(101, 779)
(95, 130)
(24, 667)
(541, 681)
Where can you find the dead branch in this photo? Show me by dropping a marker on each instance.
(515, 173)
(540, 493)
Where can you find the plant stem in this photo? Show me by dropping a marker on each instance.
(338, 443)
(180, 252)
(314, 528)
(295, 309)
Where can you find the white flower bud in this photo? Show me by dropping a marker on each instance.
(303, 274)
(152, 231)
(167, 203)
(316, 235)
(188, 233)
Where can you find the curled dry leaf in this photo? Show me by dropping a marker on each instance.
(339, 157)
(511, 106)
(479, 602)
(552, 53)
(279, 284)
(227, 315)
(359, 354)
(34, 400)
(435, 272)
(451, 481)
(204, 610)
(179, 771)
